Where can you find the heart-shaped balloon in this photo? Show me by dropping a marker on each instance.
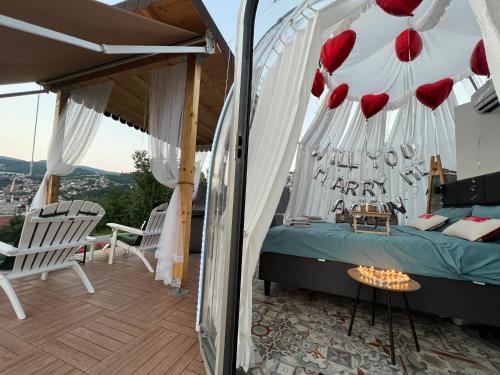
(337, 96)
(408, 45)
(434, 94)
(399, 8)
(478, 62)
(336, 50)
(373, 104)
(318, 84)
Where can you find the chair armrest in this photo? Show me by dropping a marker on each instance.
(6, 249)
(124, 228)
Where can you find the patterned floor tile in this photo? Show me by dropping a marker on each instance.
(301, 332)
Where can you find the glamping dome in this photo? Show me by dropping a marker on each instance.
(396, 74)
(380, 81)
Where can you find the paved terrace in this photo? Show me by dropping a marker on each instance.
(131, 325)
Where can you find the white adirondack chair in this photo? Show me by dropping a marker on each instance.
(49, 239)
(136, 240)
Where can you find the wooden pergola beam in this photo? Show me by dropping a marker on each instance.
(187, 165)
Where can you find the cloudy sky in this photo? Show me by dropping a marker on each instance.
(114, 142)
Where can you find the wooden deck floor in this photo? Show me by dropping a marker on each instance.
(131, 325)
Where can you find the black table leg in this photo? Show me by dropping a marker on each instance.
(408, 311)
(391, 335)
(84, 255)
(354, 310)
(374, 299)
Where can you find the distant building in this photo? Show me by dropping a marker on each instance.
(8, 208)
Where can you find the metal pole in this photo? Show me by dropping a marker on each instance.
(23, 93)
(100, 47)
(237, 229)
(110, 65)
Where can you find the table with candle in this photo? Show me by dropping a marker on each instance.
(390, 281)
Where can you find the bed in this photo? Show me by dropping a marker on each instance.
(460, 279)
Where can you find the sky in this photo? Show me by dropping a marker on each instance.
(114, 142)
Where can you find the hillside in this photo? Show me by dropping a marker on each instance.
(8, 164)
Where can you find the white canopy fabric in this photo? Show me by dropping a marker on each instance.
(272, 147)
(75, 130)
(488, 18)
(281, 94)
(166, 103)
(449, 35)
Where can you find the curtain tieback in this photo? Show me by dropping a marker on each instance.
(185, 183)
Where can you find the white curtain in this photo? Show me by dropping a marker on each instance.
(345, 129)
(275, 131)
(166, 103)
(488, 17)
(76, 128)
(201, 158)
(433, 134)
(326, 130)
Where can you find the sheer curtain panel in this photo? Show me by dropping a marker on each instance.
(76, 128)
(166, 103)
(282, 103)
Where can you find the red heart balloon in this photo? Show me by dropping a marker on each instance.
(318, 84)
(336, 50)
(399, 8)
(337, 96)
(434, 94)
(373, 104)
(478, 62)
(408, 45)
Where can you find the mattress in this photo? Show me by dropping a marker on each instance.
(408, 249)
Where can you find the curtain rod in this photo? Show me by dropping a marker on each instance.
(23, 93)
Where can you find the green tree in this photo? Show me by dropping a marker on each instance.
(11, 233)
(146, 192)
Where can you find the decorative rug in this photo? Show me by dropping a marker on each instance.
(303, 332)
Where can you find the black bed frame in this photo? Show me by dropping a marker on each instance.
(470, 301)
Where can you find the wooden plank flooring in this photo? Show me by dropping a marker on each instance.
(131, 325)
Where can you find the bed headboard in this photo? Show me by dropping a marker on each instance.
(483, 190)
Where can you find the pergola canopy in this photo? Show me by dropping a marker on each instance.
(58, 65)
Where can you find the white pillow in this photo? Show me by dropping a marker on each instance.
(473, 228)
(428, 222)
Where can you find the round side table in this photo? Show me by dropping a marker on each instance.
(410, 286)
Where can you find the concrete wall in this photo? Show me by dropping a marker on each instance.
(471, 126)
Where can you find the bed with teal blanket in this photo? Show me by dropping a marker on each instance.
(426, 253)
(459, 279)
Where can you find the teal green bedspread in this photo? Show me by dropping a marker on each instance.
(407, 249)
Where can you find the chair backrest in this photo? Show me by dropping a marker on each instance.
(153, 228)
(53, 234)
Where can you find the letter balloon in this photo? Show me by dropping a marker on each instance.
(338, 184)
(391, 158)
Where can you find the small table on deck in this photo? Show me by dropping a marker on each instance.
(93, 240)
(411, 286)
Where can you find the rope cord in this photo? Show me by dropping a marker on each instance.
(34, 135)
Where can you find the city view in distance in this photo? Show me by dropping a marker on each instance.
(18, 186)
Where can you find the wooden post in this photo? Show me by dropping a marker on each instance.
(435, 170)
(55, 181)
(187, 165)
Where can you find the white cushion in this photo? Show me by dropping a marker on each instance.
(473, 228)
(428, 222)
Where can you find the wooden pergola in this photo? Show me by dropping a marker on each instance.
(176, 23)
